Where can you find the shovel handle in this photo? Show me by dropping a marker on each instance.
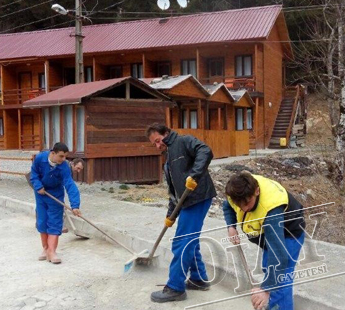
(89, 222)
(172, 217)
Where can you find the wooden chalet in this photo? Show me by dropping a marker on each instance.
(104, 123)
(245, 49)
(207, 112)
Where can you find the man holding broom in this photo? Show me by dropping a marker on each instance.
(186, 167)
(50, 172)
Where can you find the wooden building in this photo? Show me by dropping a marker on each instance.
(104, 123)
(244, 49)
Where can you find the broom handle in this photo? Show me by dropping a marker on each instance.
(172, 217)
(89, 222)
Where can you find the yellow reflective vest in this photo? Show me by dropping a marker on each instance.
(272, 195)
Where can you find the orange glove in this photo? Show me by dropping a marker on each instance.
(191, 183)
(168, 222)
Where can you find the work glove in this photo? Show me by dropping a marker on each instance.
(191, 183)
(168, 222)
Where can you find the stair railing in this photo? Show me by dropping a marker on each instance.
(292, 119)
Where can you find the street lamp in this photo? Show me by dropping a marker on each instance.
(79, 65)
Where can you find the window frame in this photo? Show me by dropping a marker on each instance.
(161, 64)
(2, 129)
(189, 60)
(138, 64)
(113, 69)
(242, 66)
(236, 119)
(214, 60)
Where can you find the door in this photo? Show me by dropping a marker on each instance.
(25, 86)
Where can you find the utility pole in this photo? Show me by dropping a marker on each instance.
(79, 63)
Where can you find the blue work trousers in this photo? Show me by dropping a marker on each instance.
(49, 214)
(188, 258)
(282, 298)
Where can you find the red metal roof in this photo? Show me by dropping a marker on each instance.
(75, 93)
(224, 26)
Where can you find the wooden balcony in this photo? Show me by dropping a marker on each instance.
(232, 82)
(18, 96)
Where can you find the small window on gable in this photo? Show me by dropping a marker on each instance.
(244, 66)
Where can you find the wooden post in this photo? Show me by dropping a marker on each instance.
(200, 125)
(167, 117)
(219, 119)
(225, 116)
(90, 166)
(255, 66)
(94, 68)
(128, 90)
(256, 120)
(19, 130)
(197, 64)
(207, 115)
(46, 76)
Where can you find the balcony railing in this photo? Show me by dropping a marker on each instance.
(232, 82)
(18, 96)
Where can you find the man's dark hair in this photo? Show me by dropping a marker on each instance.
(241, 186)
(78, 160)
(60, 147)
(155, 127)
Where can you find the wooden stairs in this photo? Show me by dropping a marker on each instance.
(286, 117)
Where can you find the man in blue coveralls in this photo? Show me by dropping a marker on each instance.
(273, 219)
(186, 167)
(51, 172)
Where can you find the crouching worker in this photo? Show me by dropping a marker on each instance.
(51, 172)
(187, 160)
(261, 206)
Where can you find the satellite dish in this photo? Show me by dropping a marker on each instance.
(163, 4)
(182, 3)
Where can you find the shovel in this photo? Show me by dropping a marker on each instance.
(147, 260)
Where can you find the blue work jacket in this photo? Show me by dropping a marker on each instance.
(54, 179)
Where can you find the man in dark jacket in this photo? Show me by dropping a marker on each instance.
(186, 167)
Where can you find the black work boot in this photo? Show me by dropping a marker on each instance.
(197, 285)
(168, 294)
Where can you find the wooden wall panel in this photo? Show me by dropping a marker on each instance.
(9, 78)
(116, 128)
(186, 89)
(273, 55)
(11, 129)
(35, 69)
(55, 75)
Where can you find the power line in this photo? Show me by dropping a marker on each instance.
(37, 21)
(22, 10)
(106, 8)
(5, 5)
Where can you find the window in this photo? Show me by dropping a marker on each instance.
(249, 119)
(137, 70)
(69, 76)
(193, 119)
(41, 81)
(244, 65)
(239, 119)
(46, 127)
(88, 74)
(163, 68)
(80, 128)
(115, 72)
(68, 127)
(1, 127)
(188, 66)
(55, 111)
(216, 67)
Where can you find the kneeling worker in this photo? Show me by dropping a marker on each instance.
(50, 172)
(261, 205)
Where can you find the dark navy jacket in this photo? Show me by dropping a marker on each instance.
(54, 179)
